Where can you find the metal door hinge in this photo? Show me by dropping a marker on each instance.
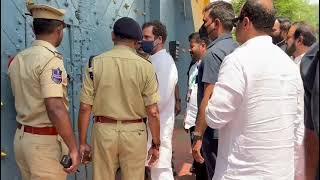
(3, 154)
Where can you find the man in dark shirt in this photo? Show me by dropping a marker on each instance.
(218, 23)
(310, 77)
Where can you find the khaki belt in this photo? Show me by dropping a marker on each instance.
(103, 119)
(39, 130)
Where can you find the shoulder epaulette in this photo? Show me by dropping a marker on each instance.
(143, 55)
(58, 55)
(55, 53)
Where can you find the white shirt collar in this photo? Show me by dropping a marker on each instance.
(258, 39)
(159, 52)
(297, 59)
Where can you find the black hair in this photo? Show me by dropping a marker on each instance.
(285, 24)
(158, 29)
(222, 11)
(204, 35)
(195, 36)
(262, 18)
(46, 26)
(306, 32)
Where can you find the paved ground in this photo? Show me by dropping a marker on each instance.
(182, 155)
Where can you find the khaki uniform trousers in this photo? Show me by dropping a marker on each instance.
(38, 156)
(117, 145)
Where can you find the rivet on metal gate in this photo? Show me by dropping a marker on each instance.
(114, 1)
(19, 40)
(19, 22)
(66, 4)
(113, 19)
(126, 6)
(95, 13)
(110, 26)
(97, 23)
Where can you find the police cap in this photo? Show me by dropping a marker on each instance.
(43, 11)
(127, 28)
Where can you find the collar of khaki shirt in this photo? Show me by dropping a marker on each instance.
(45, 44)
(124, 47)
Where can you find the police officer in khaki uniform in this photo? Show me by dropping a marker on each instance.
(122, 92)
(39, 85)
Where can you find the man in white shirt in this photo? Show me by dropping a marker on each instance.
(198, 49)
(257, 103)
(300, 38)
(154, 38)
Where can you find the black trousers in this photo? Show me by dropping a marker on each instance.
(200, 169)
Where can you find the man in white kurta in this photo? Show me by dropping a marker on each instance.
(192, 108)
(167, 78)
(257, 105)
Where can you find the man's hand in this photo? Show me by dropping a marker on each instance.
(74, 155)
(85, 152)
(186, 130)
(196, 151)
(177, 107)
(154, 154)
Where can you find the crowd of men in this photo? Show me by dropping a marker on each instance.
(249, 99)
(240, 91)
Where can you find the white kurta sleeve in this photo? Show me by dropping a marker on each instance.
(227, 93)
(299, 129)
(167, 85)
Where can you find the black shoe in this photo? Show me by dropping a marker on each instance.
(193, 170)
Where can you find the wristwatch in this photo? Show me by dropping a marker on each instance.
(196, 136)
(155, 146)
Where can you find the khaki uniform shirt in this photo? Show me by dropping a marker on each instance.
(123, 84)
(37, 73)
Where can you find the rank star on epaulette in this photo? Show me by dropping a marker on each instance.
(56, 75)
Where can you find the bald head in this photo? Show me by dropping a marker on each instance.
(267, 4)
(261, 13)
